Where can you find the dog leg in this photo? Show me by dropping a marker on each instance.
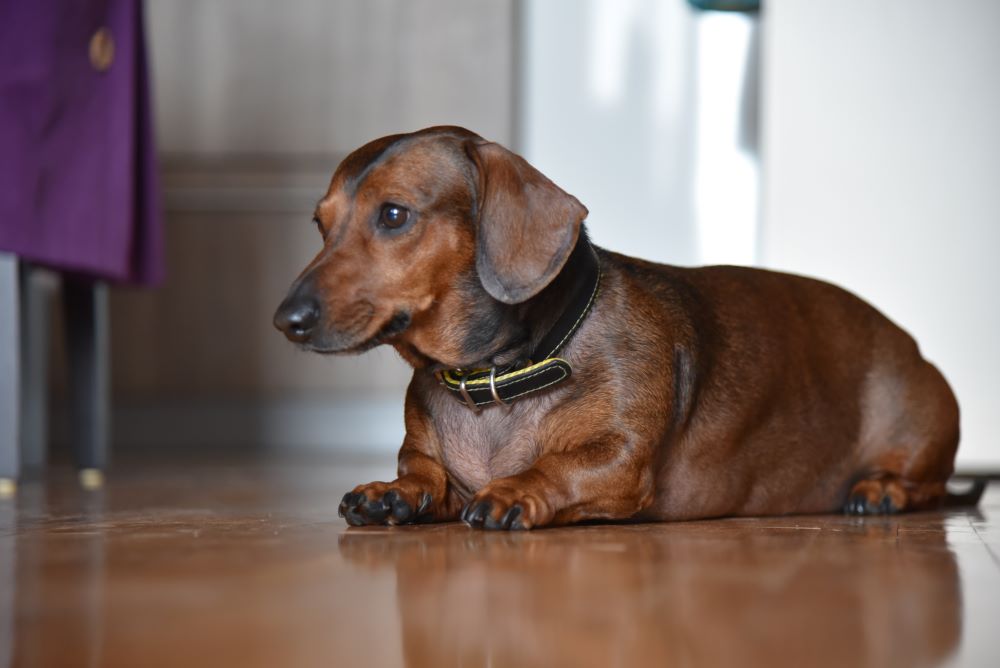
(598, 481)
(420, 494)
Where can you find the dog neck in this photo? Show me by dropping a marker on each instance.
(552, 316)
(492, 334)
(547, 322)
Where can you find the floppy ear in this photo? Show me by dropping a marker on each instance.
(527, 226)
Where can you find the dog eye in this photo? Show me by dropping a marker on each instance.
(319, 225)
(393, 216)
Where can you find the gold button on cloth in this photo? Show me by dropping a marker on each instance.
(102, 49)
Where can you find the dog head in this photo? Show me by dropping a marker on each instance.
(429, 239)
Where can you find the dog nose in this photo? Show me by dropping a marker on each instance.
(297, 317)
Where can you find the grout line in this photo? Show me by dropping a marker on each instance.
(993, 555)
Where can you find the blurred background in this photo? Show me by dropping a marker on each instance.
(853, 141)
(850, 140)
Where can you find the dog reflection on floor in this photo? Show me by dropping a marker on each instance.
(749, 592)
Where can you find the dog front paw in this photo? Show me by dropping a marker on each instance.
(498, 507)
(386, 503)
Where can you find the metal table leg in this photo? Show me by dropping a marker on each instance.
(87, 335)
(10, 375)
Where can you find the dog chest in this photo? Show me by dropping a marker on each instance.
(477, 448)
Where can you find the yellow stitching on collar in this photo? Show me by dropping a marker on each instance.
(451, 379)
(563, 376)
(548, 384)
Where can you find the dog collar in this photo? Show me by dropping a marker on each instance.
(481, 387)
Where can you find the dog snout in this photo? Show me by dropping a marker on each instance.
(297, 316)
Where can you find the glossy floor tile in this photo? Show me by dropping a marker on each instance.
(246, 564)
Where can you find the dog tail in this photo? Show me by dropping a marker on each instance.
(969, 498)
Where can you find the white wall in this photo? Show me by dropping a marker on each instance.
(881, 153)
(607, 114)
(646, 111)
(881, 146)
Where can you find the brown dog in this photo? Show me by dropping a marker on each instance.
(631, 390)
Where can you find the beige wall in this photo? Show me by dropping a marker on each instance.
(321, 76)
(256, 103)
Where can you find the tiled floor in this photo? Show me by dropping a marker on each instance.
(248, 565)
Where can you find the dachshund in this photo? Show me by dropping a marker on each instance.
(556, 382)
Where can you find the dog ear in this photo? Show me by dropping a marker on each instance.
(527, 226)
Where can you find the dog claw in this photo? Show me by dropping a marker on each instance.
(425, 503)
(860, 505)
(479, 515)
(491, 524)
(386, 508)
(852, 506)
(507, 521)
(475, 514)
(886, 506)
(512, 518)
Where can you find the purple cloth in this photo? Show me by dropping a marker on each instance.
(79, 187)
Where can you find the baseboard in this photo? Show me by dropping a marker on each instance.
(358, 424)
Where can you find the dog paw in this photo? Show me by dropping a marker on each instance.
(499, 508)
(881, 496)
(385, 503)
(859, 504)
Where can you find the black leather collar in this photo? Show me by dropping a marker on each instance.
(481, 387)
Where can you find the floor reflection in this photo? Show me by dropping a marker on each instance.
(8, 581)
(247, 565)
(803, 591)
(75, 580)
